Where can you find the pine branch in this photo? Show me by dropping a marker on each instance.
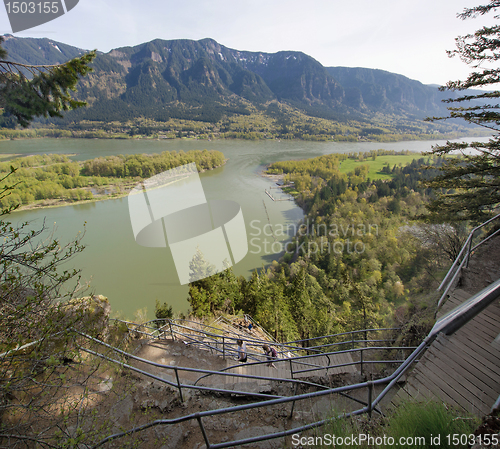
(49, 91)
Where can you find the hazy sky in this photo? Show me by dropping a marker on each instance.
(401, 36)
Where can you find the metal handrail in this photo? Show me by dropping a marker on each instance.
(302, 360)
(339, 390)
(288, 345)
(227, 347)
(448, 324)
(459, 263)
(223, 372)
(199, 415)
(217, 337)
(460, 315)
(177, 368)
(297, 360)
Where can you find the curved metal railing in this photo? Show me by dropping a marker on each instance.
(462, 260)
(223, 344)
(448, 324)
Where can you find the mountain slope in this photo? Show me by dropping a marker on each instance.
(212, 79)
(39, 51)
(204, 80)
(378, 90)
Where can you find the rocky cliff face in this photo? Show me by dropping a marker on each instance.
(205, 67)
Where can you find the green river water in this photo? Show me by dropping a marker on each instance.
(132, 276)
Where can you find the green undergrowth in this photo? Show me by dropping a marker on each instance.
(415, 318)
(413, 425)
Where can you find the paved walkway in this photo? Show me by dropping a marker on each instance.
(314, 366)
(177, 354)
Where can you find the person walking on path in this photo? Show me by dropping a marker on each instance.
(271, 355)
(242, 351)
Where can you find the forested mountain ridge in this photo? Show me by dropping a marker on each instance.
(379, 90)
(39, 51)
(204, 80)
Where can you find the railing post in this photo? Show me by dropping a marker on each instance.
(291, 369)
(352, 339)
(205, 436)
(178, 384)
(370, 396)
(293, 402)
(361, 358)
(468, 252)
(171, 331)
(223, 348)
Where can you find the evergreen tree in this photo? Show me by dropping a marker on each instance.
(363, 308)
(162, 312)
(471, 182)
(273, 309)
(211, 292)
(28, 91)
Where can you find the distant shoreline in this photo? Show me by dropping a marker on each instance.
(60, 202)
(125, 188)
(46, 133)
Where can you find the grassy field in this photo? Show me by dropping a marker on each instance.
(376, 165)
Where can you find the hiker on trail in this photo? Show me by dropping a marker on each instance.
(271, 355)
(248, 325)
(242, 351)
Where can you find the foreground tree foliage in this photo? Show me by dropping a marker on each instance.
(47, 380)
(470, 183)
(28, 91)
(39, 324)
